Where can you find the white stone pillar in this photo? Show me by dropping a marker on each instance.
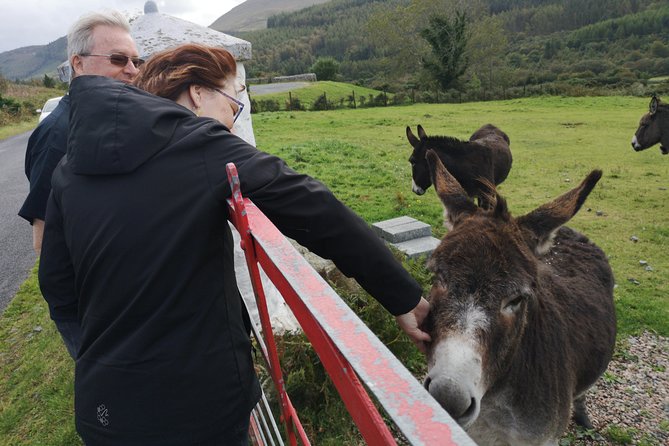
(244, 126)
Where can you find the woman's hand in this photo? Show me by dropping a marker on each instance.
(411, 322)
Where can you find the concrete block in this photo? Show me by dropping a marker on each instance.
(401, 229)
(418, 247)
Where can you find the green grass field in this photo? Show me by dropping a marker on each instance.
(334, 91)
(362, 156)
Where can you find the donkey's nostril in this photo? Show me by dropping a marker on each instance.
(427, 382)
(471, 410)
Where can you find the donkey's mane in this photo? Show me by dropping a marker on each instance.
(439, 142)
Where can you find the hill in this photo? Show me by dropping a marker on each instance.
(252, 14)
(33, 61)
(37, 60)
(515, 47)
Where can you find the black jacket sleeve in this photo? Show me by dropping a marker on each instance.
(56, 273)
(46, 147)
(305, 210)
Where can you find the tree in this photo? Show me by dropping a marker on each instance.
(448, 41)
(659, 49)
(486, 48)
(395, 25)
(4, 84)
(326, 68)
(48, 81)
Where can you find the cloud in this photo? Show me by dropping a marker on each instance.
(38, 22)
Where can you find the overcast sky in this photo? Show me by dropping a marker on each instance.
(38, 22)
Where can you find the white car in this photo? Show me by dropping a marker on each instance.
(49, 106)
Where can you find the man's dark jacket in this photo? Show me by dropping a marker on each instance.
(138, 250)
(46, 146)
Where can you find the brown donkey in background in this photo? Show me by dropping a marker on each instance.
(653, 128)
(486, 156)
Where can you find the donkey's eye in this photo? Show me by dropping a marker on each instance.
(514, 303)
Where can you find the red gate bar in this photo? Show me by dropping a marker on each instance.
(346, 347)
(268, 348)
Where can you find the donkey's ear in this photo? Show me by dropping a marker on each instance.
(412, 139)
(452, 195)
(542, 223)
(652, 107)
(421, 132)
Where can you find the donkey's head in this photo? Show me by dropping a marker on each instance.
(484, 288)
(420, 173)
(653, 127)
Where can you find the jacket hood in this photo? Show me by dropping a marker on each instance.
(115, 127)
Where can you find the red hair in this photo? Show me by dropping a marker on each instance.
(168, 73)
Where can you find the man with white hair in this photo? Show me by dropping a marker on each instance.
(99, 44)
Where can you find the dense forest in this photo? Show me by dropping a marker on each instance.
(507, 47)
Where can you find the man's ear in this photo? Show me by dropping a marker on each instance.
(76, 63)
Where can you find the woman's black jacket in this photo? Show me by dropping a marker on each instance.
(138, 250)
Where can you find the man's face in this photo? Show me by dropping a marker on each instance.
(108, 40)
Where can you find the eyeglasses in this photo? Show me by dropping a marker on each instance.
(240, 104)
(120, 60)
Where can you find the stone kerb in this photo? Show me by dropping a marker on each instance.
(412, 237)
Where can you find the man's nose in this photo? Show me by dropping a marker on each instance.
(131, 69)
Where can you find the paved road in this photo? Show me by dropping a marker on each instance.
(16, 253)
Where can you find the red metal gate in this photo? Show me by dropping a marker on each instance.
(349, 351)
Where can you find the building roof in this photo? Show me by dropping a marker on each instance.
(154, 31)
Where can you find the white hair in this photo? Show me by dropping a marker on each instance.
(79, 38)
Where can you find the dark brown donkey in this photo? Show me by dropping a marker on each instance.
(522, 317)
(486, 156)
(653, 128)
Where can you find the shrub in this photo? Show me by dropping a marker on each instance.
(659, 49)
(322, 103)
(264, 105)
(400, 98)
(49, 82)
(326, 68)
(11, 111)
(381, 99)
(294, 103)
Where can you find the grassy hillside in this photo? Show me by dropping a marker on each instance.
(362, 156)
(339, 93)
(34, 61)
(252, 14)
(515, 48)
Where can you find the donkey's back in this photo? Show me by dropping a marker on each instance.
(498, 143)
